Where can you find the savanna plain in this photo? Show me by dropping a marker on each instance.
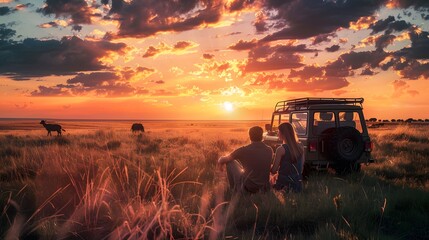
(100, 181)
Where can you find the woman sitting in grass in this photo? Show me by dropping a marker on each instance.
(288, 160)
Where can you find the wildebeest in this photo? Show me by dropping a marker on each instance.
(137, 127)
(52, 127)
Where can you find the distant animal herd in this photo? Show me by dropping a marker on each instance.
(136, 127)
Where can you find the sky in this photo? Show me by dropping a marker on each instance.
(210, 59)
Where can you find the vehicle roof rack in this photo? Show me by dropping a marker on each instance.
(305, 103)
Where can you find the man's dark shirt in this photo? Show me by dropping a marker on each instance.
(256, 160)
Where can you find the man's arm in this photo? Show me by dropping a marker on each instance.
(236, 154)
(225, 159)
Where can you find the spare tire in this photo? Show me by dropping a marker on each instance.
(343, 145)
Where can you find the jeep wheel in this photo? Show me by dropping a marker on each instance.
(344, 145)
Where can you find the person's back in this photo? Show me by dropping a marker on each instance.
(290, 173)
(289, 160)
(287, 167)
(256, 161)
(248, 167)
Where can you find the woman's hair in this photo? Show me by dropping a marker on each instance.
(289, 134)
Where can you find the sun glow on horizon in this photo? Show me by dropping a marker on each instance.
(228, 106)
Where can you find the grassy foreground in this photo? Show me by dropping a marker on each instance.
(164, 184)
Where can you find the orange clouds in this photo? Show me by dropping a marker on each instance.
(163, 48)
(362, 23)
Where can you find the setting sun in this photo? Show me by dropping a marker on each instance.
(228, 106)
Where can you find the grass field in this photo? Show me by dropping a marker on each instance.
(99, 181)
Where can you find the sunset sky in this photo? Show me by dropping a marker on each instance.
(210, 59)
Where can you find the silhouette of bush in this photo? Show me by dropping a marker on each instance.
(142, 139)
(113, 145)
(9, 151)
(178, 141)
(89, 145)
(103, 134)
(147, 145)
(62, 141)
(236, 141)
(220, 144)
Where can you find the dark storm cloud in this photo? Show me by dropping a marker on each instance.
(419, 48)
(128, 72)
(78, 10)
(310, 79)
(300, 48)
(244, 45)
(5, 34)
(367, 72)
(383, 41)
(356, 60)
(55, 91)
(237, 5)
(6, 11)
(77, 28)
(182, 45)
(323, 38)
(314, 85)
(343, 67)
(408, 68)
(100, 84)
(260, 23)
(333, 48)
(415, 70)
(208, 56)
(93, 79)
(381, 25)
(404, 61)
(152, 51)
(307, 72)
(309, 18)
(106, 84)
(32, 57)
(159, 82)
(265, 58)
(390, 25)
(146, 18)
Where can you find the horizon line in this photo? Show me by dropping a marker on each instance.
(126, 119)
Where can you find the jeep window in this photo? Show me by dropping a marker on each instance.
(323, 121)
(350, 119)
(278, 119)
(299, 123)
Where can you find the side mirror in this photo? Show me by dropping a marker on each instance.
(268, 127)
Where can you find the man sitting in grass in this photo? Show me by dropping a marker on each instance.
(248, 167)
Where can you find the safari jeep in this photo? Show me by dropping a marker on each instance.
(332, 131)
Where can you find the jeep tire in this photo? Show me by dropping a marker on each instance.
(345, 146)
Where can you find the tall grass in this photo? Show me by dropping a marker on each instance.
(164, 185)
(402, 156)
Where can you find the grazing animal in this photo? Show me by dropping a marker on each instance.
(52, 127)
(137, 127)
